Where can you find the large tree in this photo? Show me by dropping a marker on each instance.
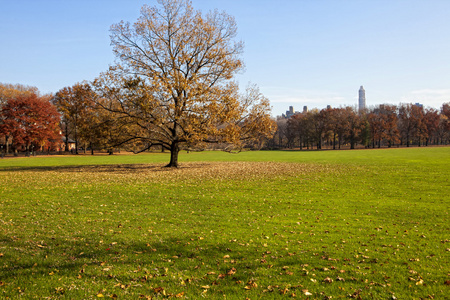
(173, 85)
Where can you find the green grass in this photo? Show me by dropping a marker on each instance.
(257, 225)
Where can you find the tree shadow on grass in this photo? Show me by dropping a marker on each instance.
(113, 168)
(31, 258)
(156, 263)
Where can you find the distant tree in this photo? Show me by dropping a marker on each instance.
(411, 123)
(173, 85)
(336, 119)
(299, 126)
(383, 124)
(445, 111)
(444, 124)
(303, 127)
(30, 121)
(308, 128)
(10, 91)
(431, 120)
(352, 126)
(334, 124)
(329, 136)
(286, 133)
(75, 104)
(319, 127)
(281, 133)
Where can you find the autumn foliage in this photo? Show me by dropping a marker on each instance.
(383, 125)
(173, 87)
(29, 121)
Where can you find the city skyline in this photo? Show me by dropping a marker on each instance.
(300, 53)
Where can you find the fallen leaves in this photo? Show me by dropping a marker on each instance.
(159, 290)
(202, 239)
(328, 280)
(420, 282)
(232, 271)
(190, 171)
(251, 285)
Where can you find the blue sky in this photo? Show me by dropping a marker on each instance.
(299, 52)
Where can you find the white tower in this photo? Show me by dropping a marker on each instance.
(362, 99)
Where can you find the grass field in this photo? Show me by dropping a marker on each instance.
(363, 224)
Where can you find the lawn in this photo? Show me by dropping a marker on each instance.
(362, 224)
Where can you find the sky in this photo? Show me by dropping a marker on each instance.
(299, 52)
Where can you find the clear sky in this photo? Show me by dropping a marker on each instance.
(299, 52)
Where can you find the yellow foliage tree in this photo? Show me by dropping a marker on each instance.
(173, 85)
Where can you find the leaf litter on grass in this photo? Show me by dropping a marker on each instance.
(190, 251)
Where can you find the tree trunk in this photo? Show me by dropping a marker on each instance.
(174, 150)
(76, 141)
(67, 138)
(352, 141)
(6, 144)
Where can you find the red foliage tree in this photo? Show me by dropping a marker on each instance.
(30, 121)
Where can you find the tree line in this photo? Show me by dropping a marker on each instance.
(76, 114)
(383, 125)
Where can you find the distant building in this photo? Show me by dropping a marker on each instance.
(70, 143)
(362, 99)
(419, 105)
(290, 112)
(305, 109)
